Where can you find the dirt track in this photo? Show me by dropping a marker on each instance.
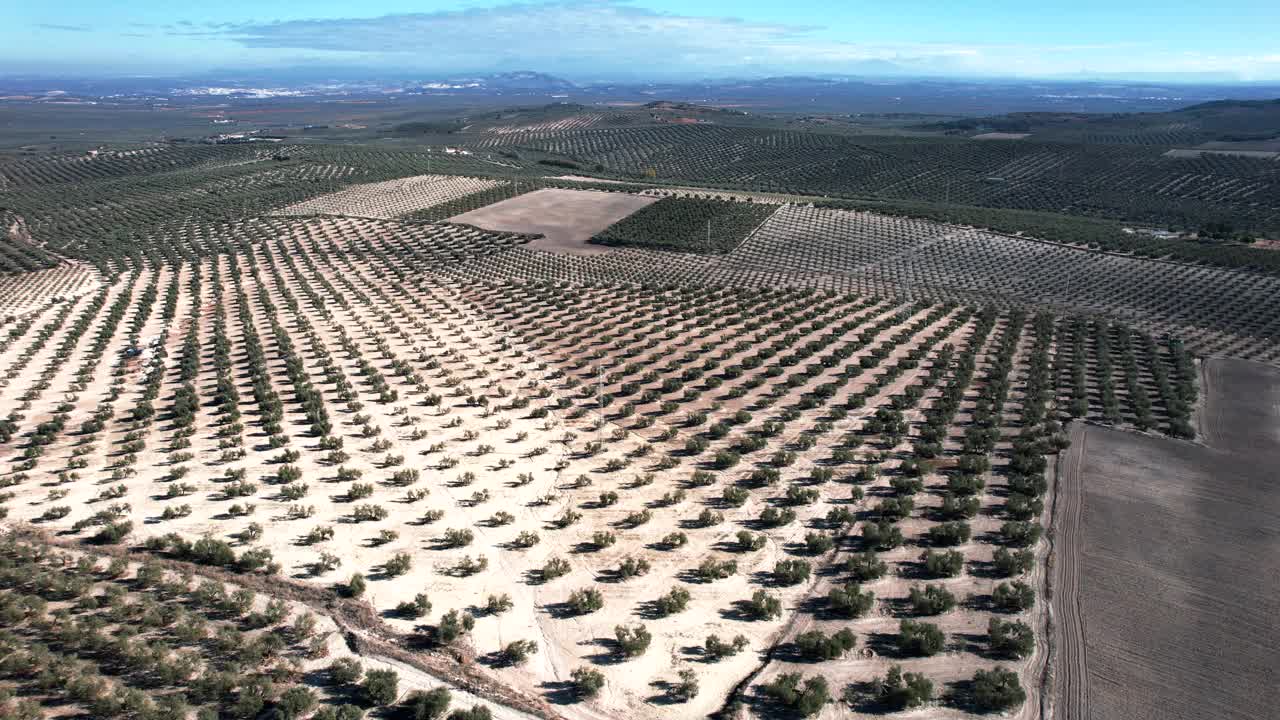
(1167, 563)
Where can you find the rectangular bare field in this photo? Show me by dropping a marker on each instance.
(566, 219)
(391, 198)
(1168, 564)
(1001, 136)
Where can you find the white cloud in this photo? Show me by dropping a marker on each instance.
(594, 38)
(605, 33)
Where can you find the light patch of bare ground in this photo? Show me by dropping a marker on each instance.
(1167, 563)
(1000, 136)
(1197, 152)
(566, 219)
(392, 198)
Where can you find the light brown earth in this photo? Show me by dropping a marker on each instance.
(566, 219)
(1167, 563)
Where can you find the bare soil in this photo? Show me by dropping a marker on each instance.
(1167, 563)
(566, 219)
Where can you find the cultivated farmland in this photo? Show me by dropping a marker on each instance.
(565, 219)
(391, 198)
(805, 466)
(1201, 641)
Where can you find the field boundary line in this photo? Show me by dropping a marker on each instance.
(1070, 654)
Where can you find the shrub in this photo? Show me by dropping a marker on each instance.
(791, 572)
(816, 645)
(717, 648)
(380, 687)
(632, 641)
(295, 702)
(748, 542)
(587, 682)
(476, 712)
(673, 602)
(919, 638)
(763, 606)
(355, 587)
(498, 604)
(586, 600)
(453, 625)
(942, 564)
(429, 705)
(882, 535)
(899, 691)
(1013, 639)
(631, 567)
(806, 696)
(997, 689)
(816, 543)
(712, 569)
(773, 517)
(456, 538)
(1014, 597)
(1009, 563)
(865, 567)
(950, 534)
(851, 601)
(398, 565)
(345, 671)
(687, 688)
(518, 651)
(554, 568)
(932, 600)
(417, 607)
(1020, 534)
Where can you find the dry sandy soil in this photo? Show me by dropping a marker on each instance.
(1000, 136)
(1167, 563)
(566, 219)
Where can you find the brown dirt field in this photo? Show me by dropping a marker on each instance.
(566, 219)
(1167, 560)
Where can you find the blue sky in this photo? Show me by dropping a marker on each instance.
(600, 39)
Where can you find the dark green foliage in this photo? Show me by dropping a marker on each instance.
(899, 691)
(681, 224)
(717, 648)
(632, 641)
(851, 601)
(791, 572)
(816, 645)
(1015, 562)
(949, 534)
(865, 567)
(931, 600)
(806, 696)
(1013, 638)
(919, 638)
(380, 687)
(475, 712)
(587, 682)
(429, 705)
(763, 606)
(1014, 596)
(673, 602)
(942, 564)
(997, 689)
(345, 671)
